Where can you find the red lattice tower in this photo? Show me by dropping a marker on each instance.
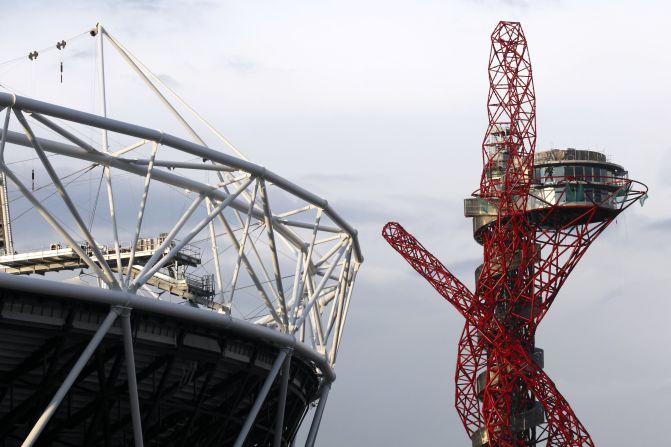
(534, 227)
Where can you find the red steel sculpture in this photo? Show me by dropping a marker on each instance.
(534, 227)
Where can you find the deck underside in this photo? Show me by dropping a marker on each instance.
(196, 385)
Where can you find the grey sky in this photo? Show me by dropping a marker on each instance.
(379, 106)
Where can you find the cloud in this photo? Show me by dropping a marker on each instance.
(169, 80)
(144, 5)
(242, 64)
(513, 3)
(247, 65)
(660, 226)
(382, 114)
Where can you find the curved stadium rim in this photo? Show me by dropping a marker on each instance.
(90, 119)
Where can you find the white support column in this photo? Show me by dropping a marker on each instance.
(215, 255)
(132, 379)
(317, 418)
(298, 293)
(292, 305)
(71, 377)
(315, 323)
(273, 252)
(140, 214)
(282, 401)
(319, 288)
(4, 198)
(343, 317)
(264, 271)
(105, 148)
(5, 218)
(250, 271)
(241, 247)
(343, 282)
(101, 80)
(340, 288)
(112, 210)
(345, 285)
(260, 398)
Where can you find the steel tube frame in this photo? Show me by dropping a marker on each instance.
(185, 145)
(151, 86)
(258, 284)
(132, 379)
(164, 177)
(173, 310)
(149, 269)
(129, 148)
(291, 305)
(273, 250)
(343, 317)
(123, 301)
(138, 64)
(345, 285)
(317, 418)
(306, 268)
(241, 248)
(215, 254)
(107, 172)
(66, 134)
(319, 288)
(71, 377)
(94, 156)
(298, 291)
(120, 303)
(282, 401)
(38, 205)
(325, 299)
(311, 304)
(107, 272)
(260, 398)
(139, 280)
(140, 214)
(174, 164)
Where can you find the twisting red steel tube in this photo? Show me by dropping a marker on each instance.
(533, 231)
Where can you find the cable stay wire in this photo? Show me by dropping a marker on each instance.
(43, 50)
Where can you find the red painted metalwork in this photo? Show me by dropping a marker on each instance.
(529, 252)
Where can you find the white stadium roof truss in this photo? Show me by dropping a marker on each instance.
(250, 244)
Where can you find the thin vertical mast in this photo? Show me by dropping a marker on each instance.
(5, 223)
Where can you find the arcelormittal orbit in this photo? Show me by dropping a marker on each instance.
(535, 215)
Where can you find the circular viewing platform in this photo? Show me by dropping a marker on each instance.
(565, 184)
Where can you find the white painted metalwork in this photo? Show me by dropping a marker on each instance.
(105, 325)
(272, 374)
(235, 238)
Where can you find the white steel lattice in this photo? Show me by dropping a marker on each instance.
(277, 254)
(143, 212)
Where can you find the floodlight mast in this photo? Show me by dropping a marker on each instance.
(534, 227)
